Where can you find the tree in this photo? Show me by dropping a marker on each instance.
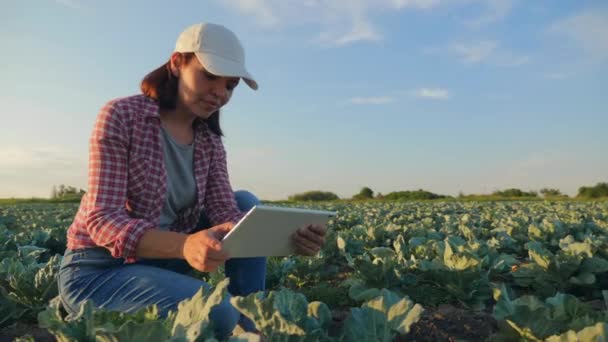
(63, 192)
(314, 195)
(597, 191)
(412, 195)
(548, 192)
(365, 193)
(514, 193)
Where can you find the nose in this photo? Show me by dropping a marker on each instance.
(218, 89)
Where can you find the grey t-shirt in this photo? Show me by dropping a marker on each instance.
(181, 185)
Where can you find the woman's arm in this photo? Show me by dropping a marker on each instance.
(156, 243)
(107, 221)
(202, 250)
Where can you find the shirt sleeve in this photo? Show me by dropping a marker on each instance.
(220, 202)
(108, 222)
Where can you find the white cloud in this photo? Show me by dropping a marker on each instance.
(484, 51)
(362, 30)
(474, 52)
(260, 10)
(495, 10)
(432, 93)
(373, 100)
(341, 22)
(587, 30)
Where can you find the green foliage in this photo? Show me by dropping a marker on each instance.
(64, 192)
(314, 195)
(382, 318)
(416, 195)
(91, 324)
(590, 192)
(594, 333)
(432, 252)
(549, 193)
(27, 285)
(530, 318)
(572, 266)
(286, 316)
(514, 193)
(189, 323)
(365, 194)
(26, 338)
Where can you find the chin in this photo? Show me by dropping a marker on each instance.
(203, 114)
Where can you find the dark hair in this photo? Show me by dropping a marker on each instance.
(161, 85)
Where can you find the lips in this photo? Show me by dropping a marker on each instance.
(211, 104)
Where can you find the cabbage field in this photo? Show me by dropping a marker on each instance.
(390, 271)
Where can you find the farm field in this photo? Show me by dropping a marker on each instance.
(390, 271)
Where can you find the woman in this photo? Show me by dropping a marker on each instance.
(159, 199)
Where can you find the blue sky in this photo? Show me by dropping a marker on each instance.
(444, 95)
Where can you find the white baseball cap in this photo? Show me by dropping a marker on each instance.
(218, 49)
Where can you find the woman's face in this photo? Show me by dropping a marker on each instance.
(199, 91)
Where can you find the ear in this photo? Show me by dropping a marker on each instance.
(175, 63)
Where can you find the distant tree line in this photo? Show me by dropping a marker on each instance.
(600, 190)
(66, 193)
(314, 195)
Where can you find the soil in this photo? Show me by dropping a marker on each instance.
(445, 323)
(449, 323)
(21, 329)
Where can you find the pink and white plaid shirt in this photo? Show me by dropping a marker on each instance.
(127, 180)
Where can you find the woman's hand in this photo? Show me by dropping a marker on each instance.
(203, 250)
(308, 240)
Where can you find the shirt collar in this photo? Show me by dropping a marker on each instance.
(152, 111)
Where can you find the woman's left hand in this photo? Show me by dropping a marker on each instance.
(308, 240)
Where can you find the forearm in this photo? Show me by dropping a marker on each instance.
(160, 244)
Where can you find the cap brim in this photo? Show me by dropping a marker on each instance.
(224, 67)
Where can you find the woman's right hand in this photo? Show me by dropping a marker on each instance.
(203, 250)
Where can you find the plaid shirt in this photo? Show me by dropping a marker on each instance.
(127, 180)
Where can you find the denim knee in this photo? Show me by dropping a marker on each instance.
(225, 318)
(245, 200)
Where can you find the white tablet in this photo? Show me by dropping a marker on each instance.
(267, 230)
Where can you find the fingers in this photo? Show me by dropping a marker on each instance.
(311, 234)
(224, 227)
(305, 246)
(306, 251)
(218, 255)
(306, 243)
(302, 249)
(209, 247)
(221, 230)
(209, 241)
(206, 261)
(318, 229)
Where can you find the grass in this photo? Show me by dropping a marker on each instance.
(32, 200)
(470, 198)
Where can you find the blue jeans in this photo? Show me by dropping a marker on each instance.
(93, 274)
